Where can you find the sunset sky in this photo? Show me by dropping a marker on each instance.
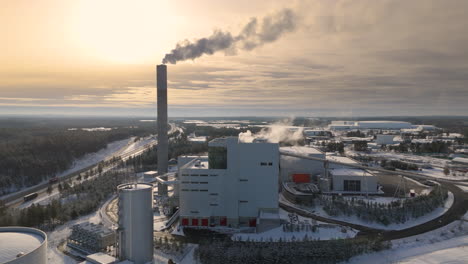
(345, 58)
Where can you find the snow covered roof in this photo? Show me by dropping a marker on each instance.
(100, 258)
(341, 159)
(302, 150)
(350, 172)
(16, 241)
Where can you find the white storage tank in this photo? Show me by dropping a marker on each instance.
(20, 245)
(136, 222)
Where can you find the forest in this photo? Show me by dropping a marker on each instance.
(396, 212)
(32, 154)
(307, 251)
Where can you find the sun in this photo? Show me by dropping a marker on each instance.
(122, 31)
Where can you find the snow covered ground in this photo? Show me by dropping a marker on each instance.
(448, 244)
(324, 231)
(55, 237)
(317, 210)
(439, 173)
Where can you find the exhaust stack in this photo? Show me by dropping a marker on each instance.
(163, 146)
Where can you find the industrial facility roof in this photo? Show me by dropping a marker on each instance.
(350, 172)
(341, 159)
(14, 243)
(135, 186)
(302, 150)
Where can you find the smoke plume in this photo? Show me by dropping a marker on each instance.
(280, 132)
(253, 35)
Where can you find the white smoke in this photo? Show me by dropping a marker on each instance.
(282, 131)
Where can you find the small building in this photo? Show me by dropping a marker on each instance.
(347, 180)
(385, 139)
(99, 258)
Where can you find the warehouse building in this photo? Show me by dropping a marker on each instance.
(384, 125)
(230, 186)
(353, 181)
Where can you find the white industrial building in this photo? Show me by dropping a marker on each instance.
(384, 125)
(352, 181)
(22, 245)
(385, 139)
(230, 186)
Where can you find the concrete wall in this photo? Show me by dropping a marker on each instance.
(368, 183)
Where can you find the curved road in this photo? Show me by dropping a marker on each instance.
(455, 212)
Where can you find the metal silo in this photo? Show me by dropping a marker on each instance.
(136, 222)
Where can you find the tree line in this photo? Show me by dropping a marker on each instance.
(307, 251)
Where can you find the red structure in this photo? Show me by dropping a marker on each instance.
(184, 221)
(301, 177)
(204, 222)
(195, 222)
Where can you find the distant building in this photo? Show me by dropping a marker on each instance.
(353, 181)
(231, 185)
(384, 125)
(385, 139)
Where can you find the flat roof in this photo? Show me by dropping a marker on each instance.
(350, 172)
(301, 150)
(135, 186)
(341, 159)
(14, 241)
(100, 258)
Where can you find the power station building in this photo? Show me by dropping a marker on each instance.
(231, 186)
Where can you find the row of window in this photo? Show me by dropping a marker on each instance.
(194, 190)
(194, 182)
(266, 163)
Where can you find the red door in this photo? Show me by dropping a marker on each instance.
(195, 222)
(184, 221)
(204, 222)
(223, 221)
(253, 222)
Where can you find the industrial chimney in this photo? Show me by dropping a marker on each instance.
(161, 83)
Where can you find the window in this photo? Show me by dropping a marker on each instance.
(185, 190)
(194, 175)
(194, 212)
(270, 163)
(203, 182)
(243, 180)
(203, 190)
(213, 175)
(185, 182)
(214, 194)
(243, 201)
(194, 190)
(194, 182)
(263, 163)
(203, 175)
(213, 204)
(351, 186)
(185, 175)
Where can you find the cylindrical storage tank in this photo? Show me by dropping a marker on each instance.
(22, 245)
(136, 222)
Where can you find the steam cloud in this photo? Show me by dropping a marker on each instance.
(276, 133)
(253, 34)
